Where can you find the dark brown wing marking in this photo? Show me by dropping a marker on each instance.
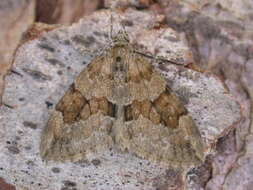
(166, 109)
(74, 106)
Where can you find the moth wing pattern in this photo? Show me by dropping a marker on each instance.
(121, 99)
(82, 119)
(157, 126)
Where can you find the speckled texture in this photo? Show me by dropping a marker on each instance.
(242, 170)
(15, 18)
(204, 94)
(219, 34)
(47, 66)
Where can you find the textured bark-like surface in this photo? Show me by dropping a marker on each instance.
(47, 66)
(15, 18)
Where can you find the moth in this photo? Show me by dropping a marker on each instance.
(120, 100)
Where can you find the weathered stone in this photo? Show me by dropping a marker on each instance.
(15, 18)
(212, 108)
(65, 11)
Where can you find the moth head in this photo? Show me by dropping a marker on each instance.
(121, 38)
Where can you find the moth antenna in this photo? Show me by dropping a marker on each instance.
(159, 59)
(110, 34)
(122, 25)
(111, 25)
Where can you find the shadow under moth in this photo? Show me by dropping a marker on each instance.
(120, 100)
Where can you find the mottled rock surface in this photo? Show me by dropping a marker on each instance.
(15, 18)
(219, 36)
(65, 11)
(46, 66)
(6, 186)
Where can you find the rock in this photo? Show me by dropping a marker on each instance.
(56, 170)
(45, 11)
(242, 171)
(170, 180)
(13, 149)
(15, 18)
(125, 3)
(65, 11)
(96, 162)
(6, 186)
(219, 36)
(30, 124)
(36, 30)
(69, 50)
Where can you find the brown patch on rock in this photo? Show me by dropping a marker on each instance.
(6, 186)
(36, 30)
